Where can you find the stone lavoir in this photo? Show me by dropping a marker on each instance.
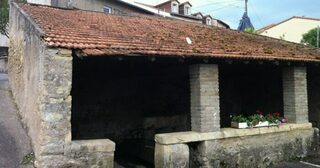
(96, 94)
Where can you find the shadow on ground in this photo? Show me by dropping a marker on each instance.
(14, 142)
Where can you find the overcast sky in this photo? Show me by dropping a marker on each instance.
(261, 12)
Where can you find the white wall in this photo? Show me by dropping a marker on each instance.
(4, 42)
(42, 2)
(292, 30)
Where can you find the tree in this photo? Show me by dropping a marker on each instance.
(4, 17)
(310, 38)
(250, 30)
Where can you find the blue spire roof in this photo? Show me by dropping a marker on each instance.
(245, 22)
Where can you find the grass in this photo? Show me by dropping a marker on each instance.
(28, 159)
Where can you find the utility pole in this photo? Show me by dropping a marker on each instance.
(318, 36)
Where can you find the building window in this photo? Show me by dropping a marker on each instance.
(187, 10)
(174, 7)
(107, 9)
(209, 22)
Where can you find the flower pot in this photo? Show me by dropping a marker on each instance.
(262, 124)
(245, 125)
(273, 124)
(239, 125)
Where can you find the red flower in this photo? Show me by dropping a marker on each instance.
(277, 114)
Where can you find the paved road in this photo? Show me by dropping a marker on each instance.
(14, 142)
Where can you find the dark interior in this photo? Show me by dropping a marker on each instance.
(129, 101)
(245, 88)
(313, 79)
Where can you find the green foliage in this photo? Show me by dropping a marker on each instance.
(255, 119)
(4, 17)
(239, 118)
(310, 38)
(273, 118)
(28, 159)
(250, 30)
(252, 120)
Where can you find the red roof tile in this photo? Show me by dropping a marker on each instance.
(98, 34)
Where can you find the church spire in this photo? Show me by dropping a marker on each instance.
(245, 22)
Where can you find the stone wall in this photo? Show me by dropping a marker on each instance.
(232, 148)
(25, 73)
(40, 79)
(255, 151)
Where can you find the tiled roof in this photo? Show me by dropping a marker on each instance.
(187, 2)
(165, 2)
(99, 34)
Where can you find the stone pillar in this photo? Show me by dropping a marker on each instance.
(205, 110)
(295, 96)
(54, 107)
(171, 156)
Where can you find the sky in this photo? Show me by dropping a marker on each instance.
(261, 12)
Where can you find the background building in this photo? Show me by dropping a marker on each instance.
(3, 41)
(290, 29)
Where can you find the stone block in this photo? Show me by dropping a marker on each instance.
(97, 145)
(91, 153)
(65, 52)
(262, 150)
(172, 156)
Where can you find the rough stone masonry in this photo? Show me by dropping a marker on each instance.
(40, 79)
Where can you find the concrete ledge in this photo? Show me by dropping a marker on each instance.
(97, 145)
(187, 137)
